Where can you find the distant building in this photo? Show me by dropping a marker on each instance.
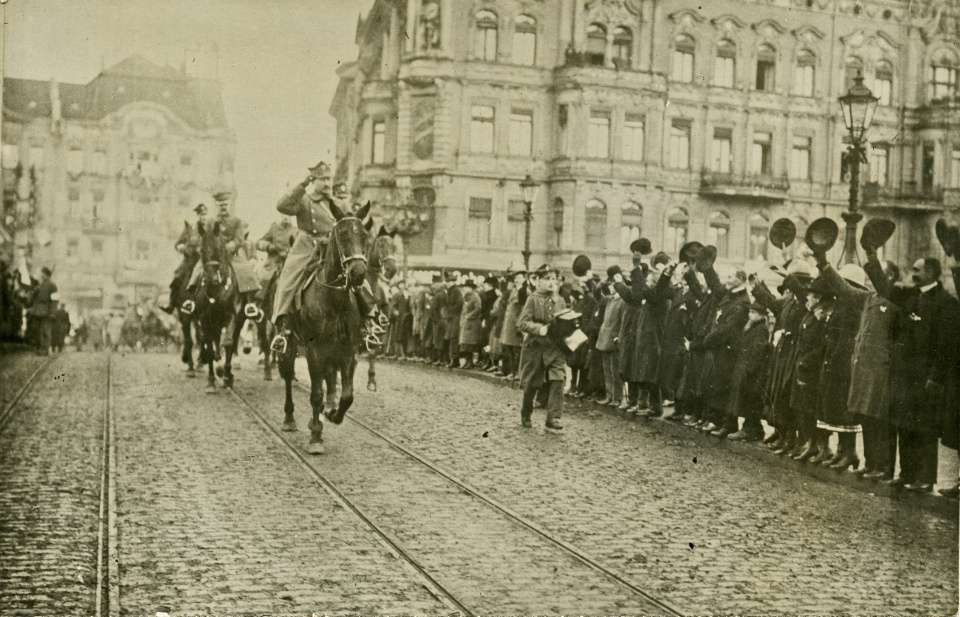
(99, 178)
(674, 120)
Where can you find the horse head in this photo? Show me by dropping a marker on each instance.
(213, 256)
(383, 251)
(347, 253)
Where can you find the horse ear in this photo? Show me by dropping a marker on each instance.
(362, 212)
(368, 225)
(383, 232)
(335, 211)
(393, 233)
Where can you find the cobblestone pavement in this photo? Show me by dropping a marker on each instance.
(214, 517)
(700, 527)
(50, 464)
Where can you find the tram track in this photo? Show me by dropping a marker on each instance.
(10, 409)
(108, 581)
(579, 555)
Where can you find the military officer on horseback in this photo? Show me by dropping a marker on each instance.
(309, 203)
(188, 244)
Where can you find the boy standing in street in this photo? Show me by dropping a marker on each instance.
(543, 358)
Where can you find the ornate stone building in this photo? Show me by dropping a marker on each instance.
(99, 178)
(669, 119)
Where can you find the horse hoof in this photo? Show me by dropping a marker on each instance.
(372, 386)
(289, 427)
(268, 377)
(315, 448)
(191, 374)
(335, 417)
(312, 424)
(211, 389)
(219, 371)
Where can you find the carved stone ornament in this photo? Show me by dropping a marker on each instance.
(940, 19)
(686, 18)
(613, 12)
(728, 23)
(808, 34)
(428, 28)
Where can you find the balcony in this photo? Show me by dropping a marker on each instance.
(752, 186)
(908, 196)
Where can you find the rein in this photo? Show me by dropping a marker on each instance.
(345, 260)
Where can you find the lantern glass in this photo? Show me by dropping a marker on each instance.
(530, 189)
(858, 106)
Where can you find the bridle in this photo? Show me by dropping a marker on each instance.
(345, 260)
(377, 251)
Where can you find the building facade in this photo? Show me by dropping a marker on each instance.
(99, 178)
(670, 119)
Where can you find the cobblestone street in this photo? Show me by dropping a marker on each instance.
(213, 514)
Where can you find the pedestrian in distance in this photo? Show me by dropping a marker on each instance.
(43, 310)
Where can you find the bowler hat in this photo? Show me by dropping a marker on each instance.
(321, 170)
(822, 234)
(875, 233)
(222, 196)
(614, 270)
(782, 233)
(200, 208)
(581, 264)
(688, 252)
(949, 237)
(469, 283)
(706, 257)
(642, 246)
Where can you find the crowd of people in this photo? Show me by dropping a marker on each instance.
(832, 351)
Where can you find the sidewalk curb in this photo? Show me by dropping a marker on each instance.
(930, 502)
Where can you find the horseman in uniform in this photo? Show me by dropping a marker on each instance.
(308, 202)
(188, 244)
(233, 232)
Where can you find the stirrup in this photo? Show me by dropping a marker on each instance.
(251, 310)
(383, 320)
(371, 342)
(279, 344)
(188, 307)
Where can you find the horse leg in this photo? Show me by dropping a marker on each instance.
(211, 378)
(231, 336)
(346, 397)
(372, 371)
(285, 366)
(316, 402)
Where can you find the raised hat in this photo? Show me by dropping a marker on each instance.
(321, 170)
(613, 271)
(853, 274)
(782, 233)
(949, 237)
(706, 257)
(822, 234)
(222, 196)
(581, 264)
(200, 208)
(688, 252)
(642, 246)
(876, 232)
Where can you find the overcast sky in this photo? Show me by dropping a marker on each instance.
(277, 64)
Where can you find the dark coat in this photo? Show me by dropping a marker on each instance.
(840, 333)
(722, 342)
(471, 332)
(691, 386)
(673, 353)
(438, 313)
(805, 389)
(647, 345)
(610, 326)
(541, 358)
(454, 307)
(750, 373)
(790, 313)
(43, 304)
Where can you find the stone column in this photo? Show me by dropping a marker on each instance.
(566, 30)
(446, 26)
(579, 28)
(411, 32)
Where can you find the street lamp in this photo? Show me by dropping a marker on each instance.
(530, 188)
(858, 106)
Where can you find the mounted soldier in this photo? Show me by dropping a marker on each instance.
(309, 203)
(188, 245)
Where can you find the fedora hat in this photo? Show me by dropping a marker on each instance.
(706, 257)
(642, 246)
(822, 234)
(782, 233)
(875, 233)
(688, 252)
(949, 237)
(821, 287)
(581, 264)
(853, 274)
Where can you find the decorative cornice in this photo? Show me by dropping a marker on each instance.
(727, 22)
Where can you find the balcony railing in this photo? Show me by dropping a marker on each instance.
(744, 185)
(908, 195)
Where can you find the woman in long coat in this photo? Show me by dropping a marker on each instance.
(628, 333)
(607, 346)
(674, 354)
(471, 330)
(510, 337)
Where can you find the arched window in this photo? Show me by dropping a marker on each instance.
(759, 230)
(804, 76)
(766, 68)
(852, 67)
(675, 236)
(558, 221)
(718, 233)
(622, 46)
(883, 82)
(631, 218)
(943, 77)
(725, 64)
(485, 43)
(596, 44)
(525, 40)
(596, 229)
(684, 48)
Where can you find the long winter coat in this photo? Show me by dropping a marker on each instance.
(510, 335)
(438, 314)
(722, 342)
(471, 332)
(673, 354)
(805, 389)
(454, 307)
(652, 304)
(610, 326)
(691, 386)
(790, 313)
(842, 326)
(750, 373)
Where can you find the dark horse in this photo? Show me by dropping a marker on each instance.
(381, 267)
(329, 325)
(218, 308)
(265, 327)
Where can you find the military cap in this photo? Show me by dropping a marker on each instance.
(200, 208)
(545, 269)
(321, 170)
(222, 196)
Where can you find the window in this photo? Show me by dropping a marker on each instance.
(761, 154)
(598, 136)
(142, 250)
(36, 157)
(722, 147)
(879, 164)
(481, 130)
(680, 145)
(631, 218)
(928, 170)
(10, 156)
(75, 161)
(525, 40)
(485, 43)
(852, 68)
(622, 46)
(379, 137)
(633, 138)
(478, 221)
(955, 168)
(521, 132)
(718, 233)
(683, 50)
(944, 82)
(596, 44)
(98, 165)
(596, 232)
(759, 230)
(800, 158)
(724, 65)
(73, 202)
(96, 249)
(883, 82)
(144, 207)
(558, 221)
(766, 68)
(516, 210)
(675, 236)
(803, 78)
(73, 248)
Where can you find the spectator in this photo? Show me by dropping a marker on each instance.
(471, 330)
(43, 310)
(750, 376)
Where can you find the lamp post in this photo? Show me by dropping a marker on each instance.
(858, 106)
(530, 189)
